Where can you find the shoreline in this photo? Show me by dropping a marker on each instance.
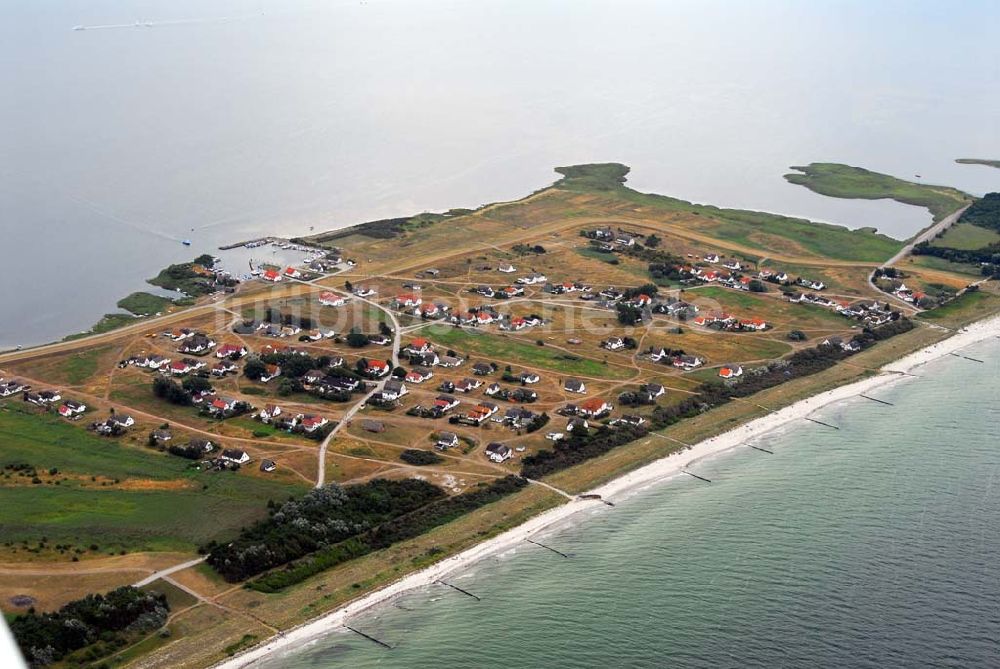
(653, 472)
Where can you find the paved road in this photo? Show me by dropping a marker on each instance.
(396, 334)
(924, 236)
(927, 235)
(168, 571)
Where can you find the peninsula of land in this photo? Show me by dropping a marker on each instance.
(312, 439)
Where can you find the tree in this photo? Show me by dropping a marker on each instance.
(629, 314)
(797, 335)
(384, 329)
(652, 241)
(356, 339)
(757, 286)
(196, 384)
(254, 369)
(348, 287)
(170, 391)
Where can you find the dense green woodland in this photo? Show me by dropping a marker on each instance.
(984, 213)
(99, 623)
(321, 517)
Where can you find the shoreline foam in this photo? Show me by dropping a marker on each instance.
(656, 471)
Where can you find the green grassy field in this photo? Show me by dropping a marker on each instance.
(967, 237)
(963, 309)
(505, 349)
(107, 323)
(144, 304)
(844, 181)
(748, 228)
(934, 262)
(79, 367)
(82, 512)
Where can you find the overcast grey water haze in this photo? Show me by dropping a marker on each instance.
(221, 121)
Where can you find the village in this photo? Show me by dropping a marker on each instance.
(498, 355)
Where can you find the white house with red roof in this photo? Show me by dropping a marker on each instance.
(594, 407)
(330, 299)
(180, 367)
(408, 300)
(270, 372)
(419, 345)
(271, 275)
(229, 350)
(731, 372)
(293, 273)
(313, 423)
(376, 368)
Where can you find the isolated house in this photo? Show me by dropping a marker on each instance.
(235, 456)
(446, 440)
(575, 386)
(498, 452)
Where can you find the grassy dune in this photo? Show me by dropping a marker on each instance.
(844, 181)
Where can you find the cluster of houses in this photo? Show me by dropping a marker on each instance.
(113, 425)
(908, 294)
(274, 275)
(674, 358)
(272, 414)
(502, 293)
(724, 321)
(870, 313)
(48, 399)
(608, 239)
(10, 387)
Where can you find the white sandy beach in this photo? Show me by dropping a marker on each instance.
(651, 473)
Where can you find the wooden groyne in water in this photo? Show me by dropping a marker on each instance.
(700, 478)
(370, 638)
(875, 399)
(819, 422)
(547, 548)
(464, 592)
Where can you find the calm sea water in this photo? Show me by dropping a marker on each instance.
(872, 546)
(229, 119)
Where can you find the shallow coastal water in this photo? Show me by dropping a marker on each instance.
(870, 546)
(226, 120)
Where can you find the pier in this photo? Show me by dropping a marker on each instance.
(547, 548)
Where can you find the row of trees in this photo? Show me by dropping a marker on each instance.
(397, 529)
(321, 517)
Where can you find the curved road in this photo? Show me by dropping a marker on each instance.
(925, 236)
(396, 333)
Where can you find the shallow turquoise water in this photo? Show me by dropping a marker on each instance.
(871, 546)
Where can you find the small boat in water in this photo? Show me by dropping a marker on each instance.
(186, 242)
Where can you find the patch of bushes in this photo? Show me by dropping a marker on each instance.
(415, 456)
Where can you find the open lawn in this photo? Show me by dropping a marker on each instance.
(504, 349)
(967, 237)
(152, 506)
